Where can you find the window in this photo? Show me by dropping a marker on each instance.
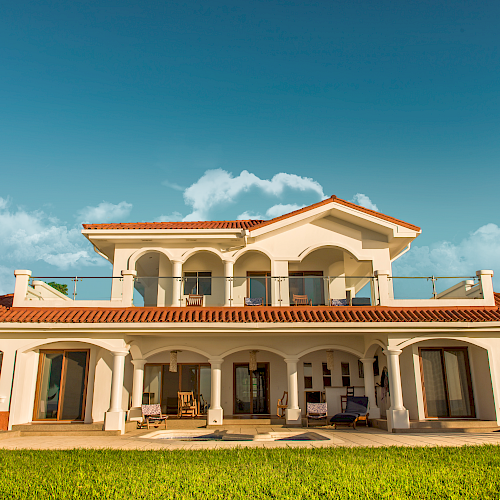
(308, 283)
(327, 376)
(346, 374)
(259, 286)
(308, 376)
(198, 283)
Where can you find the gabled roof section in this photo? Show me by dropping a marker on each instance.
(216, 224)
(248, 224)
(334, 199)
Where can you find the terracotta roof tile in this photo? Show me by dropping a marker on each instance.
(305, 314)
(215, 224)
(246, 224)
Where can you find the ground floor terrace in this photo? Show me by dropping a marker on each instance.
(61, 376)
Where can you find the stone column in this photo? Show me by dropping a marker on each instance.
(21, 287)
(293, 413)
(176, 283)
(397, 415)
(114, 419)
(374, 410)
(128, 287)
(215, 412)
(135, 412)
(228, 273)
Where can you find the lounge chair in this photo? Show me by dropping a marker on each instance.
(152, 414)
(186, 404)
(316, 411)
(356, 411)
(282, 405)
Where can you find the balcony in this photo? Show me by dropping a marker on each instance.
(201, 289)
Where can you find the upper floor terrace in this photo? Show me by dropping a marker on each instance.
(331, 253)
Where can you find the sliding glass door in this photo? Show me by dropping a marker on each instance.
(446, 383)
(61, 385)
(251, 389)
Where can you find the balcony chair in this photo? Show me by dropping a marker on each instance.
(301, 300)
(339, 302)
(151, 414)
(356, 411)
(254, 301)
(282, 405)
(186, 404)
(316, 411)
(194, 300)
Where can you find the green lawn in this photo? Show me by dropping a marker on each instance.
(396, 473)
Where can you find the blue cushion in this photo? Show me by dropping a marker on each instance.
(344, 418)
(357, 404)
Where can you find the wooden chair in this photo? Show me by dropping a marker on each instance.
(186, 404)
(316, 411)
(152, 414)
(194, 300)
(282, 405)
(254, 301)
(301, 300)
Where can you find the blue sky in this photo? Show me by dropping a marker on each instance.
(132, 111)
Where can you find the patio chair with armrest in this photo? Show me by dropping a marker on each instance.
(356, 411)
(187, 405)
(151, 414)
(282, 405)
(301, 300)
(316, 411)
(194, 300)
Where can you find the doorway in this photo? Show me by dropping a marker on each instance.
(251, 389)
(61, 385)
(259, 286)
(446, 382)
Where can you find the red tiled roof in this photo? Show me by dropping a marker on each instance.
(215, 224)
(307, 314)
(246, 224)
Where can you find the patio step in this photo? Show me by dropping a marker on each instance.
(459, 425)
(59, 429)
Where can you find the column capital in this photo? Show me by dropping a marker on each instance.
(291, 360)
(216, 361)
(22, 272)
(139, 363)
(129, 272)
(120, 353)
(367, 360)
(176, 261)
(392, 351)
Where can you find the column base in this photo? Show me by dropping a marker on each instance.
(135, 413)
(374, 413)
(398, 419)
(215, 416)
(293, 417)
(114, 421)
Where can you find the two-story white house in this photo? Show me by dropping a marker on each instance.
(240, 312)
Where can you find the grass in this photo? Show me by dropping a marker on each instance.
(245, 473)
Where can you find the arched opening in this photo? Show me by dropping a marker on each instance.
(447, 378)
(167, 375)
(328, 273)
(252, 278)
(153, 285)
(320, 383)
(203, 274)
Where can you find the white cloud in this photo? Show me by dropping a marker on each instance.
(218, 187)
(480, 250)
(7, 280)
(173, 185)
(250, 215)
(280, 209)
(173, 217)
(105, 212)
(3, 203)
(364, 201)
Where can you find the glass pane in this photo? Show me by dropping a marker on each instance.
(242, 389)
(259, 390)
(314, 289)
(49, 384)
(74, 386)
(152, 385)
(260, 287)
(190, 285)
(458, 384)
(435, 392)
(345, 368)
(205, 285)
(205, 388)
(169, 390)
(189, 379)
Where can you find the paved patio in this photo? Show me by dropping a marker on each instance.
(361, 437)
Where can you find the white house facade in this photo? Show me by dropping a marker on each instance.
(240, 312)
